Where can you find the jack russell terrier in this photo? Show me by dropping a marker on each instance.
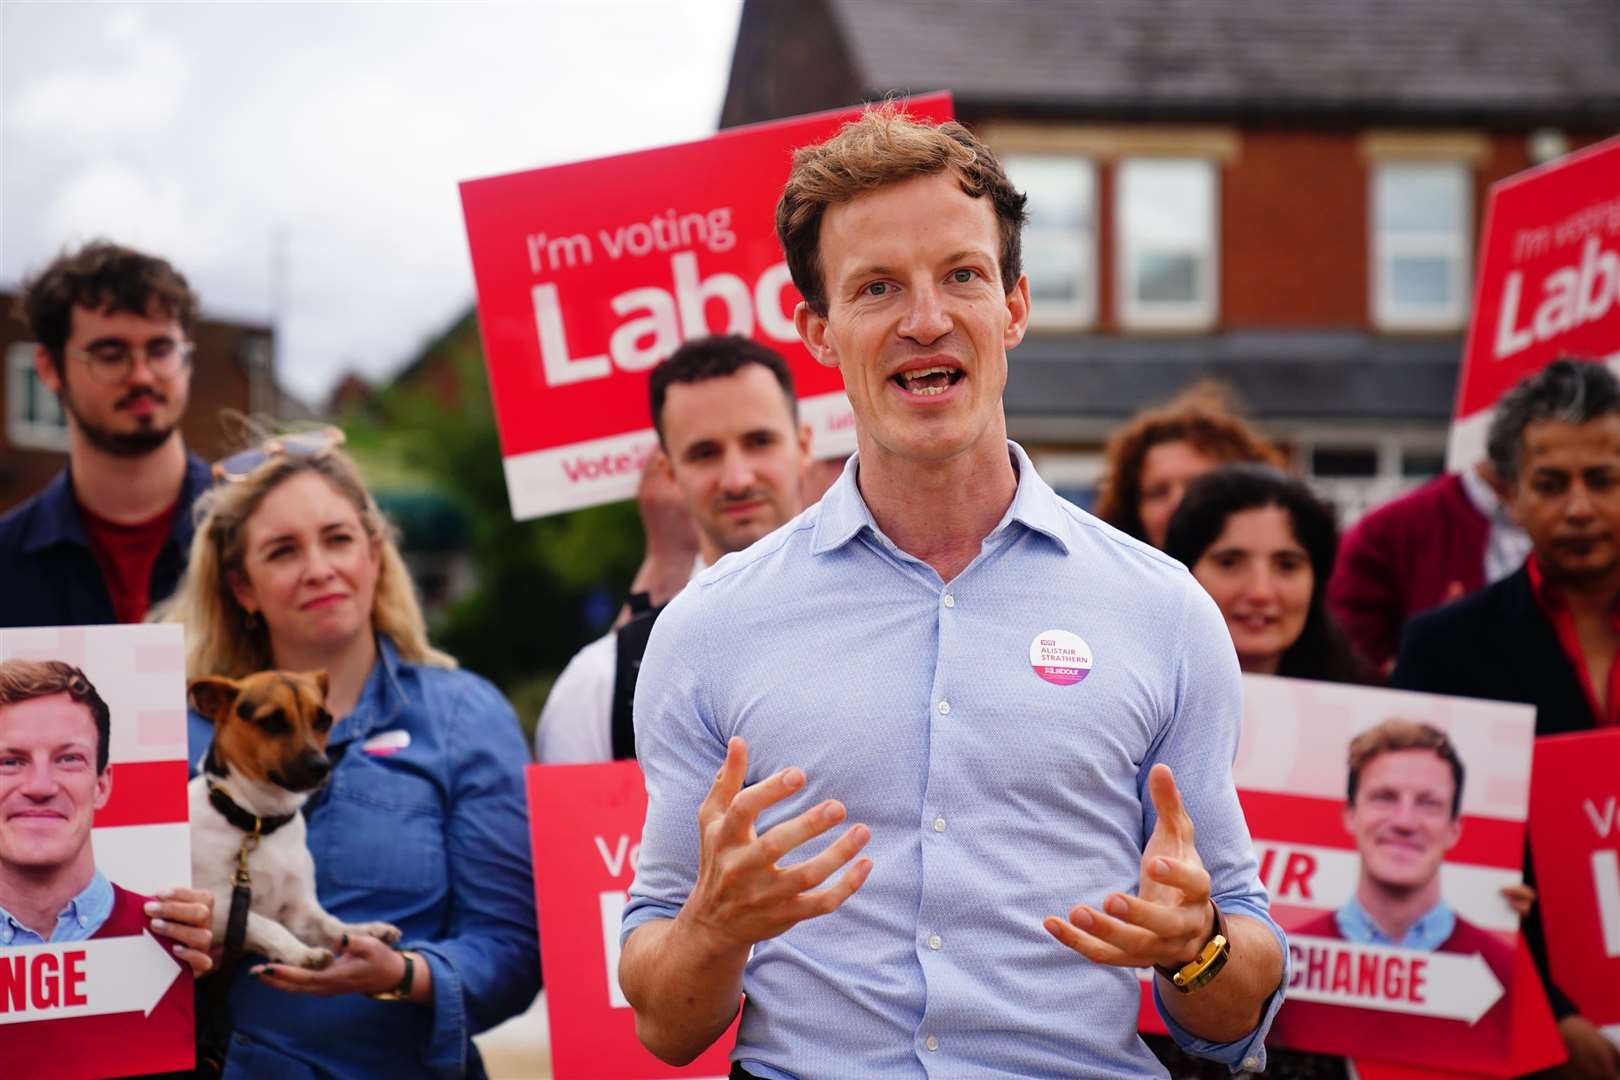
(268, 756)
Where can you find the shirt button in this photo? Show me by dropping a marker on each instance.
(935, 942)
(1251, 1063)
(931, 1042)
(939, 824)
(83, 921)
(950, 601)
(944, 708)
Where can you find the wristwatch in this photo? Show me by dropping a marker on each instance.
(1207, 964)
(403, 990)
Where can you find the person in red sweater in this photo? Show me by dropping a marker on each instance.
(54, 776)
(1429, 547)
(1405, 797)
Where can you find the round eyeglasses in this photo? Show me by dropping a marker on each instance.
(112, 361)
(311, 443)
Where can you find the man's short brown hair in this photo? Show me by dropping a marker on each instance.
(101, 276)
(884, 147)
(24, 680)
(1394, 735)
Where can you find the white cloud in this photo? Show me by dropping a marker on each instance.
(130, 86)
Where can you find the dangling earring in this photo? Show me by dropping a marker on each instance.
(251, 621)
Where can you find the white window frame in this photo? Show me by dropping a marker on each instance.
(23, 432)
(1079, 312)
(1200, 313)
(1389, 311)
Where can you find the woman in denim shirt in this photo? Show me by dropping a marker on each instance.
(423, 821)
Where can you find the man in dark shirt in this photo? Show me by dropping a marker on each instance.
(1548, 635)
(108, 537)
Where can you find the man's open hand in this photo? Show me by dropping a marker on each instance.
(1170, 918)
(741, 895)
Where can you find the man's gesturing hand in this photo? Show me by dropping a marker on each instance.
(1170, 918)
(741, 895)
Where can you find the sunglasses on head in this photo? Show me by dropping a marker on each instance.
(240, 465)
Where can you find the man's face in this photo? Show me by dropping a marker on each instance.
(1401, 819)
(1567, 496)
(49, 787)
(916, 319)
(736, 455)
(132, 413)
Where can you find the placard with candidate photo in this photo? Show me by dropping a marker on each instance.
(93, 823)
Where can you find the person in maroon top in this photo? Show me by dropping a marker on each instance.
(54, 776)
(108, 537)
(1549, 634)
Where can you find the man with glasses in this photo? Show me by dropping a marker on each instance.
(108, 536)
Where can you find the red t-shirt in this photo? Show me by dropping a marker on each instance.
(127, 554)
(113, 1044)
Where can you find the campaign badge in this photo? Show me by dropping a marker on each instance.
(1059, 657)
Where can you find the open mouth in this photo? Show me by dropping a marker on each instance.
(928, 381)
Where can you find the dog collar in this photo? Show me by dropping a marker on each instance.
(248, 823)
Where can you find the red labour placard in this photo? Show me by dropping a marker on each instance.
(585, 823)
(117, 1003)
(1575, 839)
(590, 273)
(1548, 285)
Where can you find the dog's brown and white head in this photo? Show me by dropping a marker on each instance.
(271, 726)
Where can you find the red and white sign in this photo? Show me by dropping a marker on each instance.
(1456, 1006)
(585, 827)
(591, 273)
(1548, 285)
(120, 1004)
(1575, 839)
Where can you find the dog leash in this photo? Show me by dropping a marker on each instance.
(253, 829)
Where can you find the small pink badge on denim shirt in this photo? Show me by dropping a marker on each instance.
(1059, 657)
(389, 742)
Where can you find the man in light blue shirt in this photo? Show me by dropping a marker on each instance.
(1021, 710)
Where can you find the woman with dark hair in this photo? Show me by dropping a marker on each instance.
(1148, 463)
(1262, 544)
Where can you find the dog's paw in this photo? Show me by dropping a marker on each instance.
(316, 959)
(387, 933)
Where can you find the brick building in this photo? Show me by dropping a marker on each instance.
(1283, 195)
(232, 368)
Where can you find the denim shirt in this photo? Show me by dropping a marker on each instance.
(78, 920)
(432, 837)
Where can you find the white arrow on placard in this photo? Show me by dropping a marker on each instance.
(1456, 986)
(101, 976)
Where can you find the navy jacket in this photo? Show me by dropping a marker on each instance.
(48, 573)
(1496, 643)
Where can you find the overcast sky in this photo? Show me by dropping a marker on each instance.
(203, 131)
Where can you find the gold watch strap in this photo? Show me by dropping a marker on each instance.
(1207, 964)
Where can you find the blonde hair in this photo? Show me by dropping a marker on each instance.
(218, 638)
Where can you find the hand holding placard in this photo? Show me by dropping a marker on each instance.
(742, 896)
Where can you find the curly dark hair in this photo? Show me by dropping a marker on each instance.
(1205, 417)
(1321, 651)
(102, 276)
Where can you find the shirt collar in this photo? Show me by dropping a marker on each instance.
(1481, 494)
(844, 513)
(89, 908)
(1430, 931)
(56, 515)
(381, 698)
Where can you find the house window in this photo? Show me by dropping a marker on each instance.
(1420, 258)
(34, 419)
(1165, 213)
(1060, 240)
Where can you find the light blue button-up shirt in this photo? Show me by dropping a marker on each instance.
(78, 921)
(995, 796)
(1430, 931)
